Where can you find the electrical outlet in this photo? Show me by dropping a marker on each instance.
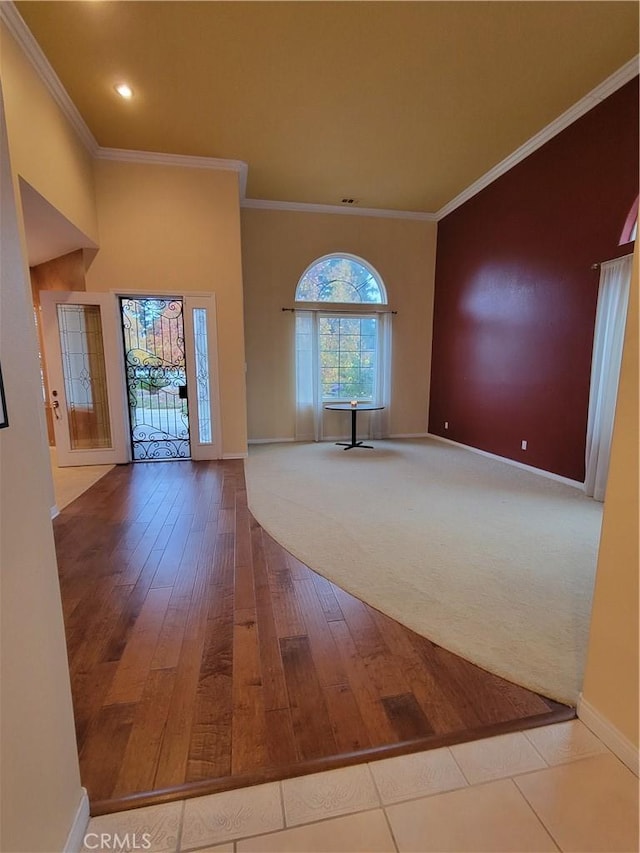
(523, 444)
(446, 424)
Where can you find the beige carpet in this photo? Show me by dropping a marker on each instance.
(492, 562)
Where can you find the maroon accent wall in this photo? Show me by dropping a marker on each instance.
(515, 296)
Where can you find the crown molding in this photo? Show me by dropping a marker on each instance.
(628, 71)
(126, 155)
(299, 207)
(14, 22)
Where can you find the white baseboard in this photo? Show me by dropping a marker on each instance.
(335, 438)
(55, 512)
(610, 736)
(549, 474)
(75, 839)
(269, 440)
(235, 455)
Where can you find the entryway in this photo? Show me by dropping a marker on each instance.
(131, 377)
(156, 377)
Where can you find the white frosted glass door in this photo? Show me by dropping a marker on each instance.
(85, 380)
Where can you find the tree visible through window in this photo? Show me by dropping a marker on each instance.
(340, 278)
(347, 350)
(347, 345)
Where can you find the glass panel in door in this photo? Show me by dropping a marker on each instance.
(85, 376)
(202, 376)
(201, 348)
(153, 333)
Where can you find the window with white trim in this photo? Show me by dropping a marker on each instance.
(342, 338)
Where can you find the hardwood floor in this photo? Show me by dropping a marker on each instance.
(203, 656)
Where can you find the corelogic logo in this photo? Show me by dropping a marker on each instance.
(124, 842)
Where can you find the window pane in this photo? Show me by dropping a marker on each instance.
(202, 374)
(330, 341)
(350, 326)
(347, 358)
(349, 343)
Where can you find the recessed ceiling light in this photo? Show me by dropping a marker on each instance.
(124, 90)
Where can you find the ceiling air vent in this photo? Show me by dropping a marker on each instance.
(350, 201)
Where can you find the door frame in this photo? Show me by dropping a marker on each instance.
(109, 302)
(190, 300)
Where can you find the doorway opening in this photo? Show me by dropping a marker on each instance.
(156, 377)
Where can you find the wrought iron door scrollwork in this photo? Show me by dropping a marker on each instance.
(155, 367)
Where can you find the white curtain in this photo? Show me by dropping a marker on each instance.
(308, 398)
(382, 393)
(611, 316)
(309, 406)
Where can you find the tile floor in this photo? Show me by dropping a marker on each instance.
(548, 789)
(70, 483)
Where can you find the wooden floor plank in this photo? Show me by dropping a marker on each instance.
(203, 654)
(323, 648)
(137, 769)
(288, 617)
(104, 748)
(135, 664)
(248, 745)
(210, 745)
(311, 724)
(242, 531)
(174, 753)
(282, 750)
(379, 729)
(349, 730)
(273, 682)
(327, 598)
(406, 716)
(109, 605)
(123, 625)
(89, 691)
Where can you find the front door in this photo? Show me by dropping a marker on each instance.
(80, 341)
(155, 367)
(89, 391)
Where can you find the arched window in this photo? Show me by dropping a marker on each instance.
(343, 341)
(341, 278)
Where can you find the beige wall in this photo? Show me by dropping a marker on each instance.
(45, 149)
(167, 229)
(40, 782)
(277, 246)
(611, 680)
